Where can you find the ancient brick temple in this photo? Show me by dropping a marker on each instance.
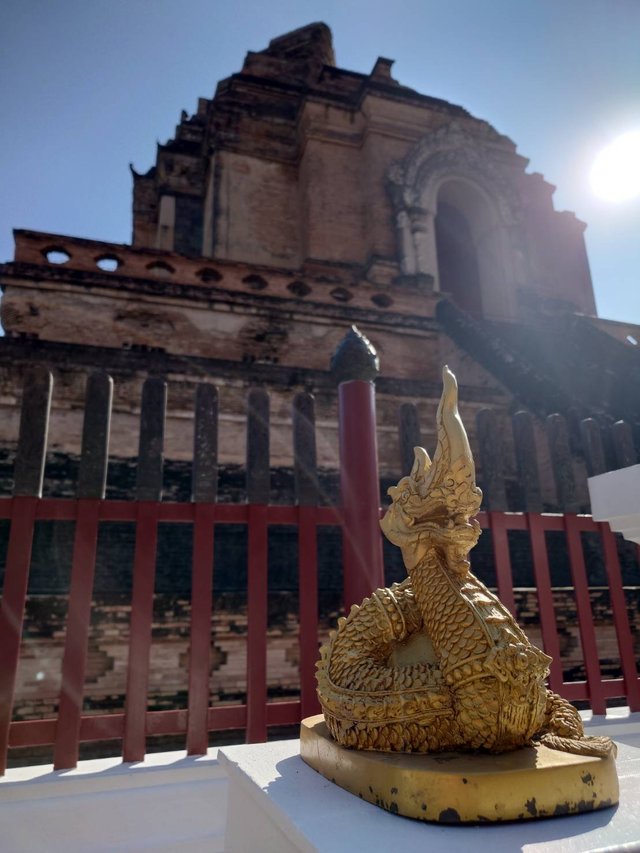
(299, 200)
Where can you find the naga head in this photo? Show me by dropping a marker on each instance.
(434, 506)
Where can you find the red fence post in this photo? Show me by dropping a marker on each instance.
(258, 487)
(586, 625)
(74, 662)
(14, 596)
(621, 618)
(307, 494)
(200, 646)
(28, 477)
(498, 524)
(148, 496)
(548, 623)
(204, 491)
(91, 490)
(354, 366)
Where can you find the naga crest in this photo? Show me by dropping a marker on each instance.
(434, 505)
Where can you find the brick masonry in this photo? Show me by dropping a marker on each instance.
(39, 673)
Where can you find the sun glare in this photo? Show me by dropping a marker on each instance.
(615, 174)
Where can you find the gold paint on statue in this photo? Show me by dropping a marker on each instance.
(437, 663)
(462, 787)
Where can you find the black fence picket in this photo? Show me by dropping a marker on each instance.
(305, 463)
(491, 460)
(150, 447)
(527, 462)
(257, 468)
(409, 435)
(94, 455)
(592, 447)
(624, 450)
(34, 427)
(204, 479)
(562, 463)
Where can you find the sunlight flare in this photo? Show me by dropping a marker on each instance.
(615, 174)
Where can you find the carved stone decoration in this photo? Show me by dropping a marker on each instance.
(451, 151)
(437, 663)
(355, 358)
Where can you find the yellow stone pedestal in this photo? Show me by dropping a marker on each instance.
(464, 788)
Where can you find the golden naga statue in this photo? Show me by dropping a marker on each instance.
(437, 663)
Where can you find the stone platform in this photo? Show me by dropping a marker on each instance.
(277, 803)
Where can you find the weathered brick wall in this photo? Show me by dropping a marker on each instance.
(188, 227)
(39, 674)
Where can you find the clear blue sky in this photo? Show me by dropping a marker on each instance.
(87, 86)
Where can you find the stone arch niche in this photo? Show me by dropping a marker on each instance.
(469, 246)
(458, 218)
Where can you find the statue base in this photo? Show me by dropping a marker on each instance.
(458, 787)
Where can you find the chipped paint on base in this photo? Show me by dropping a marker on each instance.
(463, 788)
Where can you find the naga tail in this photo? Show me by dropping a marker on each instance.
(563, 731)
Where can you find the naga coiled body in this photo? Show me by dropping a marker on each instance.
(437, 663)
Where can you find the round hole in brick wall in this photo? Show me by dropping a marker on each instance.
(108, 263)
(160, 268)
(255, 282)
(382, 300)
(299, 288)
(341, 294)
(56, 255)
(209, 274)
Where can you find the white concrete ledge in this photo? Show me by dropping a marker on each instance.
(167, 802)
(172, 802)
(618, 722)
(277, 804)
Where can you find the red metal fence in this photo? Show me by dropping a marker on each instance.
(595, 689)
(135, 722)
